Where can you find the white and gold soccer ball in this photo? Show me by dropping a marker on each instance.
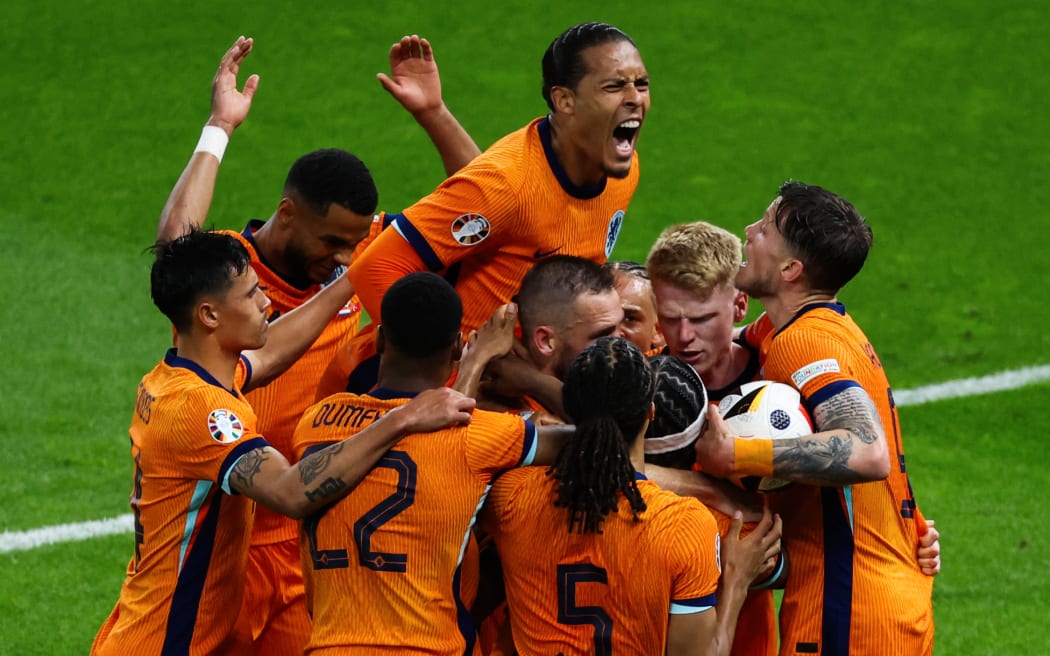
(765, 409)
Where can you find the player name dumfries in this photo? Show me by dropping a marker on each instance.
(345, 415)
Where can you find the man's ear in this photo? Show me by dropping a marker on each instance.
(791, 270)
(208, 315)
(739, 306)
(457, 347)
(380, 340)
(545, 340)
(564, 100)
(286, 211)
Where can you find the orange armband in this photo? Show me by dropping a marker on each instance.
(753, 456)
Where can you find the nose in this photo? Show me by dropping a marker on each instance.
(265, 304)
(685, 332)
(619, 330)
(632, 95)
(751, 227)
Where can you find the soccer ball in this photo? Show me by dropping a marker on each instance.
(769, 410)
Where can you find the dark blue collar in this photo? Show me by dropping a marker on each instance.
(389, 394)
(835, 307)
(583, 193)
(172, 359)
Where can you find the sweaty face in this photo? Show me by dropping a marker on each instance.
(698, 330)
(242, 314)
(609, 107)
(764, 253)
(639, 311)
(592, 316)
(320, 243)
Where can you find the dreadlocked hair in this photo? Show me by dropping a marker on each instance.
(608, 392)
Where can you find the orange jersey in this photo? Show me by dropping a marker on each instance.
(383, 565)
(485, 226)
(855, 586)
(280, 404)
(183, 586)
(607, 593)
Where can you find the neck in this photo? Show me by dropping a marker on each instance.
(728, 369)
(217, 361)
(638, 451)
(783, 307)
(582, 172)
(270, 245)
(410, 376)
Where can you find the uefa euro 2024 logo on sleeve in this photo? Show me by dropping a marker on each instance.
(224, 426)
(470, 229)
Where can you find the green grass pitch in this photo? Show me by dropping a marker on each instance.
(929, 116)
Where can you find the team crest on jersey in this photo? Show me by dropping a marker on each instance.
(614, 231)
(470, 229)
(224, 426)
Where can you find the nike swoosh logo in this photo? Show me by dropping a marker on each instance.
(540, 254)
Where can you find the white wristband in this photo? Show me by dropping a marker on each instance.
(213, 140)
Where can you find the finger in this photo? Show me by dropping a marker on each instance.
(417, 50)
(428, 52)
(737, 524)
(250, 86)
(391, 87)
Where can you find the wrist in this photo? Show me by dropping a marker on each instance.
(223, 124)
(752, 456)
(214, 140)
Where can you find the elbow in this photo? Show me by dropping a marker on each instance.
(875, 466)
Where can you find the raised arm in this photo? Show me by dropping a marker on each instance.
(849, 447)
(331, 473)
(190, 199)
(493, 339)
(415, 83)
(293, 333)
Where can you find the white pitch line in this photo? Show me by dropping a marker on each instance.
(953, 389)
(38, 537)
(1002, 381)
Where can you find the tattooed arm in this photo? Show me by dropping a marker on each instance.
(849, 447)
(331, 473)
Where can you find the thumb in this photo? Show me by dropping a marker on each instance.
(387, 83)
(737, 524)
(250, 85)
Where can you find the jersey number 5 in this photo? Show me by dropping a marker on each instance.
(569, 576)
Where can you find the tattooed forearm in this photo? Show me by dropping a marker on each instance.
(825, 461)
(851, 410)
(248, 466)
(314, 465)
(328, 488)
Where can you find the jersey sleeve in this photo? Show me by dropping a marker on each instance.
(693, 552)
(468, 215)
(386, 260)
(211, 435)
(815, 363)
(498, 441)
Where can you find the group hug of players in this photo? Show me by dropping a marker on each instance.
(555, 483)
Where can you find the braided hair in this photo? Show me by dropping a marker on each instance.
(608, 392)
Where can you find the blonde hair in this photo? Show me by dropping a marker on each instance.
(696, 256)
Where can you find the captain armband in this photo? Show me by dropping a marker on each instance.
(753, 456)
